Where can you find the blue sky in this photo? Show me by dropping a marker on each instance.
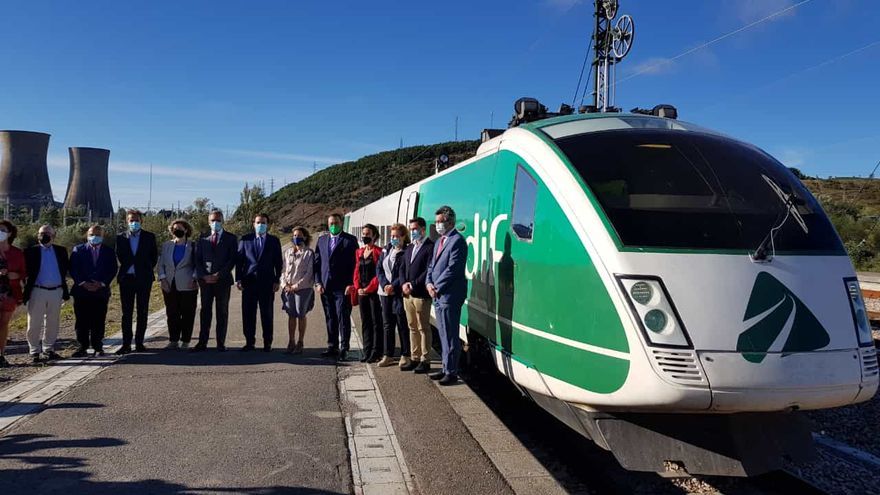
(216, 93)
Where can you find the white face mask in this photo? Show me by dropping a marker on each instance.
(3, 236)
(441, 228)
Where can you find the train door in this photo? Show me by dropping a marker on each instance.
(410, 205)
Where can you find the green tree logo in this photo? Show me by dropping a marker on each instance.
(774, 313)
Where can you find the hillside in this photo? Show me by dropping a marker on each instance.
(350, 185)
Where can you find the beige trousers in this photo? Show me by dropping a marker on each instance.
(418, 317)
(44, 313)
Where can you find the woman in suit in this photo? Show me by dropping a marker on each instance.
(367, 286)
(12, 270)
(391, 297)
(179, 283)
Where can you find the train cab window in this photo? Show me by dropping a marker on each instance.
(525, 192)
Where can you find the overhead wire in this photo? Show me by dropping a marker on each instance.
(581, 76)
(665, 61)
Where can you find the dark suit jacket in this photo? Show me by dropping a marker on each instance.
(144, 261)
(83, 269)
(396, 282)
(446, 269)
(265, 269)
(415, 271)
(33, 256)
(222, 257)
(333, 269)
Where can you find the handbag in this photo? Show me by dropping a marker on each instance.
(353, 296)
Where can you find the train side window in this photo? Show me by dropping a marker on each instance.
(525, 191)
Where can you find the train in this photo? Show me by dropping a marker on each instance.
(671, 293)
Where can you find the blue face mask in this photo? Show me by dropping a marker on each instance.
(94, 240)
(216, 226)
(416, 235)
(395, 241)
(299, 241)
(261, 228)
(134, 226)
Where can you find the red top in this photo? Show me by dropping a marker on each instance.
(374, 282)
(14, 264)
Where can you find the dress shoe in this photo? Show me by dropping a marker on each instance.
(299, 348)
(437, 375)
(267, 348)
(99, 353)
(343, 355)
(123, 351)
(140, 348)
(404, 361)
(52, 356)
(329, 353)
(422, 368)
(247, 348)
(184, 345)
(35, 358)
(198, 348)
(385, 362)
(172, 345)
(449, 379)
(411, 365)
(363, 358)
(221, 348)
(80, 353)
(3, 362)
(374, 358)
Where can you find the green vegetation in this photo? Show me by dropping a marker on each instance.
(853, 205)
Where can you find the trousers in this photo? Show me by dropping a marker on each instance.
(91, 315)
(44, 314)
(448, 317)
(337, 312)
(214, 295)
(418, 318)
(130, 292)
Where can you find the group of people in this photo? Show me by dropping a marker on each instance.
(394, 287)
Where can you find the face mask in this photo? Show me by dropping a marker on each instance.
(179, 233)
(216, 226)
(134, 226)
(441, 228)
(94, 240)
(366, 240)
(335, 229)
(299, 241)
(416, 235)
(4, 236)
(260, 228)
(395, 242)
(45, 239)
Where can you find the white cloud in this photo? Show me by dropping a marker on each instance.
(284, 156)
(793, 157)
(563, 5)
(181, 172)
(654, 66)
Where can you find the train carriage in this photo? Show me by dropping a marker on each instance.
(671, 293)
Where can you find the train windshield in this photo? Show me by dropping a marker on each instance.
(692, 190)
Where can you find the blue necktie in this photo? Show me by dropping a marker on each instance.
(333, 240)
(259, 246)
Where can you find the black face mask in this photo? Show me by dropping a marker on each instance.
(179, 233)
(366, 240)
(45, 239)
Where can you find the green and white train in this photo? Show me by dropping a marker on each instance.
(671, 293)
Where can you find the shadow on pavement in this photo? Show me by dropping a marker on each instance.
(48, 473)
(7, 408)
(232, 357)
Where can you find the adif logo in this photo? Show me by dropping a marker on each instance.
(478, 242)
(777, 321)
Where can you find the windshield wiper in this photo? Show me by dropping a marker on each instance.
(790, 203)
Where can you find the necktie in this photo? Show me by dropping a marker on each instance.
(259, 246)
(333, 240)
(440, 249)
(214, 240)
(94, 256)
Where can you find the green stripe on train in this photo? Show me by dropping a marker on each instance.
(525, 282)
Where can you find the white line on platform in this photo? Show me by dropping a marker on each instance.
(29, 395)
(377, 463)
(851, 453)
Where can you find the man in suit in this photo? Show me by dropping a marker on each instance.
(257, 276)
(92, 268)
(334, 264)
(216, 256)
(137, 252)
(45, 288)
(447, 285)
(416, 300)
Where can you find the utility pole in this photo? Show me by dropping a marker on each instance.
(271, 185)
(492, 120)
(150, 201)
(456, 127)
(314, 167)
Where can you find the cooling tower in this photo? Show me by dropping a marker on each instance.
(88, 184)
(24, 177)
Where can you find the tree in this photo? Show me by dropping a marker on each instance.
(49, 215)
(253, 201)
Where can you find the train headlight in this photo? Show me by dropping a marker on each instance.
(859, 312)
(653, 310)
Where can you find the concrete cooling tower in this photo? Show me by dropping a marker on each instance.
(88, 184)
(24, 176)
